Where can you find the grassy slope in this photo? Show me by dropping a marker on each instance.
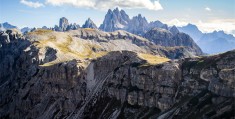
(69, 48)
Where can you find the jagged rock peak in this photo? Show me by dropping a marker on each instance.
(63, 24)
(89, 24)
(164, 37)
(138, 25)
(115, 20)
(157, 24)
(140, 18)
(174, 30)
(116, 10)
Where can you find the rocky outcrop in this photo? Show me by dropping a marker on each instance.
(73, 26)
(117, 85)
(63, 24)
(138, 25)
(176, 88)
(114, 20)
(25, 30)
(119, 20)
(89, 24)
(4, 39)
(173, 52)
(157, 24)
(174, 30)
(192, 30)
(166, 38)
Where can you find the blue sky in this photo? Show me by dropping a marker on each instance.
(208, 15)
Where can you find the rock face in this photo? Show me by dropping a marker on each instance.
(157, 24)
(156, 32)
(138, 25)
(174, 52)
(192, 30)
(119, 20)
(172, 38)
(89, 24)
(118, 85)
(114, 20)
(25, 30)
(63, 24)
(4, 39)
(174, 30)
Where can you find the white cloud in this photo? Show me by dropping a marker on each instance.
(176, 22)
(208, 9)
(227, 25)
(32, 4)
(108, 4)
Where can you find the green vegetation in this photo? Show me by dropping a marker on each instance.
(40, 32)
(89, 29)
(153, 59)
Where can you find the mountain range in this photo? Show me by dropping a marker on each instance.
(125, 69)
(119, 20)
(210, 43)
(88, 73)
(116, 19)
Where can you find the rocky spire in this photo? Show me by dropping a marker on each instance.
(115, 20)
(63, 24)
(138, 25)
(89, 24)
(174, 30)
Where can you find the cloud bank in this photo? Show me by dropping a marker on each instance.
(208, 9)
(177, 22)
(109, 4)
(227, 25)
(32, 4)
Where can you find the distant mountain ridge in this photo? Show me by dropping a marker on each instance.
(173, 38)
(48, 74)
(211, 43)
(89, 24)
(138, 25)
(119, 20)
(6, 25)
(192, 30)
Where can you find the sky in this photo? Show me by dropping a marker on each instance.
(208, 15)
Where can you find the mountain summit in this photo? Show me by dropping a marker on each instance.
(115, 20)
(211, 43)
(192, 30)
(138, 25)
(6, 25)
(119, 20)
(89, 24)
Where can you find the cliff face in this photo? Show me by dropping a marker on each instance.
(172, 38)
(117, 85)
(190, 88)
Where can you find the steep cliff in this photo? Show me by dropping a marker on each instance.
(173, 38)
(118, 84)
